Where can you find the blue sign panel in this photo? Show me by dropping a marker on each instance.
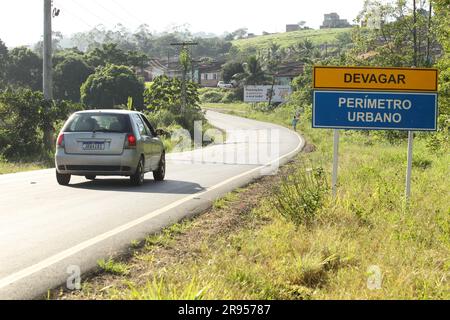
(375, 110)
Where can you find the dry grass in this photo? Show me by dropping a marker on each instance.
(14, 167)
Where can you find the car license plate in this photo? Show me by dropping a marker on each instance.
(93, 146)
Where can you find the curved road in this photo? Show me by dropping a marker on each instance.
(48, 232)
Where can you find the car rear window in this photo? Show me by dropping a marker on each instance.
(90, 122)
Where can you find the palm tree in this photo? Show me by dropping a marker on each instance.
(253, 72)
(304, 49)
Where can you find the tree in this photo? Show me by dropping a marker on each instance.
(57, 37)
(304, 50)
(109, 53)
(144, 39)
(164, 93)
(111, 86)
(164, 96)
(388, 35)
(4, 55)
(24, 115)
(442, 26)
(238, 34)
(185, 62)
(231, 69)
(211, 47)
(69, 75)
(24, 69)
(302, 25)
(253, 73)
(137, 59)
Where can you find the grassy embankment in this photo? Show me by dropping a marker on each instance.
(287, 39)
(244, 249)
(14, 167)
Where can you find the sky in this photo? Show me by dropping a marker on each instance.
(21, 21)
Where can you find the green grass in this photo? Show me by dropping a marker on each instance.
(14, 167)
(165, 237)
(224, 202)
(291, 38)
(113, 267)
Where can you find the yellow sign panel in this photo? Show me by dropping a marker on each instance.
(368, 78)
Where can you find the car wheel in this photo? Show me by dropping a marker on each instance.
(91, 177)
(137, 179)
(63, 179)
(160, 173)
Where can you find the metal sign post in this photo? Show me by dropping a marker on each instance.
(409, 166)
(335, 162)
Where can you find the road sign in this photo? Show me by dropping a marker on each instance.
(262, 93)
(375, 99)
(379, 79)
(375, 110)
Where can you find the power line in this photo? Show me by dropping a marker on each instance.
(75, 16)
(109, 11)
(92, 13)
(129, 13)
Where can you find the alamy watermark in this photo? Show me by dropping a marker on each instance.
(375, 279)
(74, 280)
(252, 147)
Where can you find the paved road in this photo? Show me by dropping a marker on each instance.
(48, 232)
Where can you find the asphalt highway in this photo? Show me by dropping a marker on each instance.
(49, 233)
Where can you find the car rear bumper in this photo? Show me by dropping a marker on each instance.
(99, 165)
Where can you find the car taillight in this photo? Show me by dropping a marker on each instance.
(60, 142)
(131, 141)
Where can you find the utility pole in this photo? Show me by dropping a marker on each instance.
(184, 46)
(47, 54)
(274, 76)
(47, 81)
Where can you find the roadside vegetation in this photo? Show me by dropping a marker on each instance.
(284, 237)
(288, 39)
(14, 167)
(102, 78)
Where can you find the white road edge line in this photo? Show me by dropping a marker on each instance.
(86, 244)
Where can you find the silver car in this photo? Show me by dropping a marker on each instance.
(109, 143)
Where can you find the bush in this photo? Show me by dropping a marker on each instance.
(217, 95)
(111, 86)
(212, 96)
(229, 97)
(24, 116)
(301, 194)
(161, 119)
(163, 100)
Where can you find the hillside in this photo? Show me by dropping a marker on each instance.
(287, 39)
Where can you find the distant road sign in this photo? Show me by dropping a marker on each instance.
(262, 93)
(380, 79)
(375, 110)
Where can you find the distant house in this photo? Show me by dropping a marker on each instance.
(154, 69)
(292, 27)
(210, 74)
(332, 20)
(175, 70)
(287, 71)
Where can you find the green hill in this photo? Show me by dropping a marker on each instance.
(288, 39)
